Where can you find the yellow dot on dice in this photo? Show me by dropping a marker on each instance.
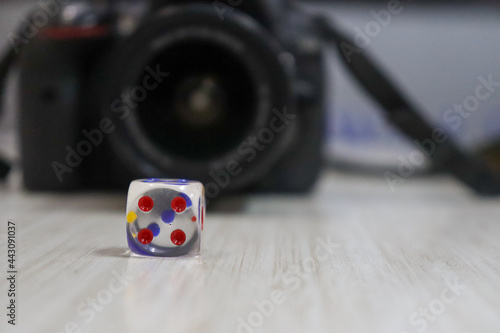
(131, 216)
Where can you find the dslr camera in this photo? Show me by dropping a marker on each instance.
(226, 92)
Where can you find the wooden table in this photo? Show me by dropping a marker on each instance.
(351, 257)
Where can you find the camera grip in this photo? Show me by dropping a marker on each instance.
(50, 96)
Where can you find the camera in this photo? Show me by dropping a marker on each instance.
(226, 92)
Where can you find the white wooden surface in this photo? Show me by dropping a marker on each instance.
(393, 255)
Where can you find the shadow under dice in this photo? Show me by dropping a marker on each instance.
(163, 221)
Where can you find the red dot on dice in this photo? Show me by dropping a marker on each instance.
(178, 204)
(146, 204)
(202, 219)
(178, 237)
(145, 236)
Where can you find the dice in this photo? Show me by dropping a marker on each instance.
(165, 217)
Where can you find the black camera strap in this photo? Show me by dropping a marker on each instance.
(404, 115)
(5, 65)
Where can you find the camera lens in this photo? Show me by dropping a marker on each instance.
(204, 107)
(225, 82)
(200, 101)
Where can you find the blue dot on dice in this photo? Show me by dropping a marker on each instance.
(168, 216)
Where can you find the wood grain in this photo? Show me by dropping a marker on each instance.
(391, 256)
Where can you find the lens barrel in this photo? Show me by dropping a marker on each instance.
(224, 80)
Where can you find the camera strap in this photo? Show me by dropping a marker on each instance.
(405, 116)
(5, 65)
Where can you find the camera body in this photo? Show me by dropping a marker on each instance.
(228, 93)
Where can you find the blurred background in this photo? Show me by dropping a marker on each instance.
(435, 50)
